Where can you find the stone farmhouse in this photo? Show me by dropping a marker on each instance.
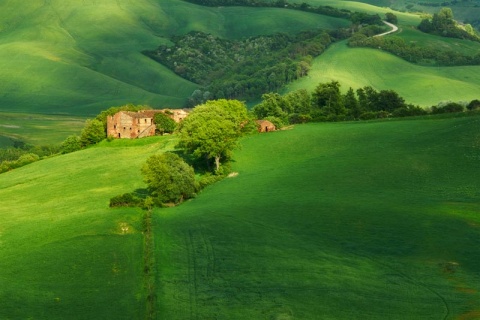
(132, 125)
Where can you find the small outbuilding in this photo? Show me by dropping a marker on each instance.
(265, 126)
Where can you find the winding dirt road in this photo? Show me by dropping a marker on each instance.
(391, 25)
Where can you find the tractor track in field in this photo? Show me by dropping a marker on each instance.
(412, 281)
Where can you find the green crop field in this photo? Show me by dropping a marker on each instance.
(425, 86)
(37, 129)
(332, 221)
(349, 220)
(81, 57)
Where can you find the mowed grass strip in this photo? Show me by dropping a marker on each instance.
(334, 221)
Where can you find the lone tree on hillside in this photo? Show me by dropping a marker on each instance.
(169, 178)
(211, 130)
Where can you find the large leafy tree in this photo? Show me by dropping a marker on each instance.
(327, 98)
(92, 133)
(211, 130)
(164, 123)
(169, 178)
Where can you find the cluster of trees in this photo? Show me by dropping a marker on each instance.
(242, 68)
(412, 52)
(328, 103)
(245, 69)
(443, 24)
(21, 154)
(206, 137)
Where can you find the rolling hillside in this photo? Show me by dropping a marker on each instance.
(426, 86)
(350, 220)
(80, 57)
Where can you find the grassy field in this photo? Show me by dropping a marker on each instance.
(334, 221)
(425, 86)
(350, 220)
(65, 254)
(37, 129)
(81, 57)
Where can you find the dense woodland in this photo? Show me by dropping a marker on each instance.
(243, 68)
(247, 68)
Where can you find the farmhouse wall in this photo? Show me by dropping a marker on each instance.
(131, 125)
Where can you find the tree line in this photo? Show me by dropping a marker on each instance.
(413, 52)
(328, 103)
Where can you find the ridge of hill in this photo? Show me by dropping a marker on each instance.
(376, 218)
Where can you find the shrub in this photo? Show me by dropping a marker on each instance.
(126, 200)
(169, 178)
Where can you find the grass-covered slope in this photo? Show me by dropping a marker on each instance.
(332, 221)
(65, 254)
(80, 57)
(350, 220)
(426, 86)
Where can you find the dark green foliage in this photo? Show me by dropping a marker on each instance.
(241, 68)
(92, 133)
(126, 200)
(22, 154)
(412, 52)
(71, 144)
(327, 99)
(443, 24)
(164, 123)
(169, 178)
(474, 105)
(409, 111)
(325, 10)
(450, 107)
(390, 17)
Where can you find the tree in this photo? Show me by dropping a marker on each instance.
(211, 130)
(390, 17)
(70, 144)
(474, 105)
(164, 123)
(328, 99)
(169, 178)
(351, 104)
(92, 133)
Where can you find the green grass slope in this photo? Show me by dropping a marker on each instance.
(349, 220)
(358, 67)
(65, 254)
(332, 221)
(80, 57)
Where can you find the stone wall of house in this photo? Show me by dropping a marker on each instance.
(131, 125)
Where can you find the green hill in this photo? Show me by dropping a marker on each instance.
(348, 220)
(426, 86)
(81, 57)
